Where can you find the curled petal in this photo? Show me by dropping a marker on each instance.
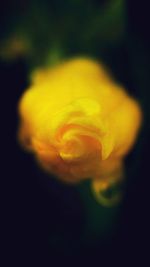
(106, 189)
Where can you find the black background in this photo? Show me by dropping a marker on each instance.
(33, 211)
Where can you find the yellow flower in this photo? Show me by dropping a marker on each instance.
(78, 122)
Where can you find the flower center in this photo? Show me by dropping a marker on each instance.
(72, 149)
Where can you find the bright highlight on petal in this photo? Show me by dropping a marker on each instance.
(79, 123)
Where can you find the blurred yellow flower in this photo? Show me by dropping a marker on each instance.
(78, 122)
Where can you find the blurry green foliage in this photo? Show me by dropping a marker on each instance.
(53, 30)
